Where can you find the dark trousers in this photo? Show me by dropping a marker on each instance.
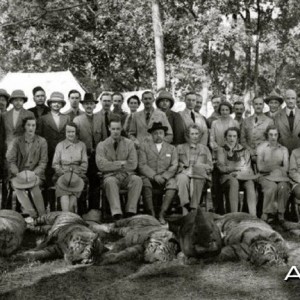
(94, 182)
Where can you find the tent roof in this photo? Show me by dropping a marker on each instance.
(50, 81)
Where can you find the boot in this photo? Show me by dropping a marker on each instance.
(169, 196)
(148, 201)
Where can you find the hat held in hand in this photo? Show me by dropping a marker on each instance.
(70, 182)
(25, 180)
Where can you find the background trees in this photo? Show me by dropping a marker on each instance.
(233, 47)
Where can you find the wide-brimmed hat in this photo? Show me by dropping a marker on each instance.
(273, 96)
(93, 215)
(157, 126)
(88, 97)
(277, 175)
(25, 180)
(56, 97)
(164, 95)
(70, 182)
(18, 94)
(246, 175)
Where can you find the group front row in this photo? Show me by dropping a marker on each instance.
(156, 165)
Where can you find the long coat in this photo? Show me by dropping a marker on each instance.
(17, 156)
(10, 130)
(152, 162)
(90, 135)
(139, 127)
(289, 139)
(47, 128)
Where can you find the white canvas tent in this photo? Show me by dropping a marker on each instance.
(50, 81)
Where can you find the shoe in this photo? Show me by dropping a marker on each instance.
(117, 217)
(129, 214)
(280, 218)
(162, 220)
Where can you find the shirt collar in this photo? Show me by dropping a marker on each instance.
(288, 111)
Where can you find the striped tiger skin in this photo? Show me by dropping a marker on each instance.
(247, 237)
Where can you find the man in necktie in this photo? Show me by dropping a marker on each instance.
(287, 121)
(74, 98)
(158, 163)
(117, 100)
(116, 158)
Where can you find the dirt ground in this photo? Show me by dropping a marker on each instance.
(134, 280)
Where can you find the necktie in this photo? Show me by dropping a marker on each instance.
(115, 145)
(256, 120)
(147, 117)
(291, 120)
(193, 116)
(107, 124)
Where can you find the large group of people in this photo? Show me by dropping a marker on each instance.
(154, 149)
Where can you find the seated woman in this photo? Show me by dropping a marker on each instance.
(234, 164)
(194, 168)
(273, 164)
(70, 157)
(294, 173)
(27, 159)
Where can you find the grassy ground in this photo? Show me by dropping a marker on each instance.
(133, 280)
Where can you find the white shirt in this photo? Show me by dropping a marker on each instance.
(16, 114)
(158, 147)
(288, 111)
(56, 118)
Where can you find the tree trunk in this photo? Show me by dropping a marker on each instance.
(258, 32)
(159, 45)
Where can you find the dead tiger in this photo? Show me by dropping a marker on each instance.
(68, 236)
(12, 227)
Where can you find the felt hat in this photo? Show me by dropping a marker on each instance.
(164, 95)
(273, 96)
(5, 94)
(70, 182)
(246, 175)
(198, 171)
(18, 94)
(56, 97)
(93, 215)
(88, 97)
(25, 180)
(277, 175)
(157, 126)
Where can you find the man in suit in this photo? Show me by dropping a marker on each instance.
(52, 127)
(117, 100)
(274, 101)
(39, 97)
(158, 164)
(254, 128)
(165, 102)
(4, 100)
(190, 117)
(13, 119)
(116, 158)
(90, 133)
(143, 120)
(239, 109)
(74, 98)
(288, 122)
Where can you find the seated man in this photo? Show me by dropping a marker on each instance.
(273, 164)
(116, 158)
(195, 165)
(158, 164)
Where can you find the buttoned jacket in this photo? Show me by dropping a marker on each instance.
(288, 138)
(152, 162)
(177, 126)
(17, 156)
(139, 127)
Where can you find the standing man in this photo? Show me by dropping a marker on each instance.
(89, 127)
(215, 101)
(143, 120)
(274, 101)
(191, 117)
(52, 127)
(239, 109)
(74, 99)
(39, 97)
(4, 101)
(158, 164)
(13, 119)
(288, 122)
(254, 128)
(165, 102)
(118, 99)
(116, 158)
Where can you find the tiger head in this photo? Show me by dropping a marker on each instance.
(83, 248)
(264, 252)
(161, 246)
